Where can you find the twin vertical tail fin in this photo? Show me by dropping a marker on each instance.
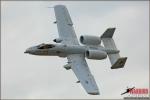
(109, 44)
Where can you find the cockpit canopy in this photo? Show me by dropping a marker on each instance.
(45, 46)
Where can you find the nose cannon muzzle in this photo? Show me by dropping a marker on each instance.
(26, 51)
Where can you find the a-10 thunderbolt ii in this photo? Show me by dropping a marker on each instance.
(67, 45)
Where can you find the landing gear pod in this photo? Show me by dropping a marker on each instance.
(57, 40)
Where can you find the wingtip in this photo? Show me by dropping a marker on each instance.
(59, 6)
(94, 93)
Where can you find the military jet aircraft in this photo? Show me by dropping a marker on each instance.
(67, 45)
(128, 90)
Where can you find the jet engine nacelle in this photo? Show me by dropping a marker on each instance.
(58, 40)
(96, 54)
(90, 40)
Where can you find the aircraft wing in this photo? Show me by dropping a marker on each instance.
(81, 70)
(77, 61)
(65, 25)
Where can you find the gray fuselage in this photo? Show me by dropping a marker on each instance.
(60, 49)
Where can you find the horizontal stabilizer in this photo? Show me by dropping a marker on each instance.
(119, 63)
(109, 43)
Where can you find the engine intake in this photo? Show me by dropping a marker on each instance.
(90, 40)
(96, 54)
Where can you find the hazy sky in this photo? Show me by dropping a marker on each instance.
(29, 23)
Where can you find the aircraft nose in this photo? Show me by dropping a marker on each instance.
(26, 51)
(29, 50)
